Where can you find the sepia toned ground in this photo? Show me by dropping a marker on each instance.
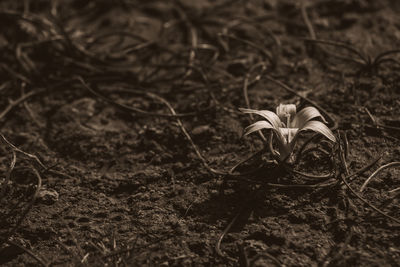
(120, 124)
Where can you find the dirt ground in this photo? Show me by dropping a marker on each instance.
(119, 126)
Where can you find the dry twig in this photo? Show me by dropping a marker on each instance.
(375, 173)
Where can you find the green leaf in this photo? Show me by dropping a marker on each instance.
(288, 133)
(317, 127)
(271, 117)
(305, 115)
(259, 125)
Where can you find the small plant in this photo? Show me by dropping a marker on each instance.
(286, 126)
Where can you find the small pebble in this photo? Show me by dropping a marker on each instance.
(47, 196)
(200, 129)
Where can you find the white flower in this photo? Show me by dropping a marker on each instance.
(286, 124)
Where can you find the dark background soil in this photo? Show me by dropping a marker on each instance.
(122, 184)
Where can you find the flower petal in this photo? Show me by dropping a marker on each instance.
(318, 127)
(268, 115)
(305, 115)
(286, 110)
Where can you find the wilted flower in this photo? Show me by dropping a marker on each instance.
(286, 124)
